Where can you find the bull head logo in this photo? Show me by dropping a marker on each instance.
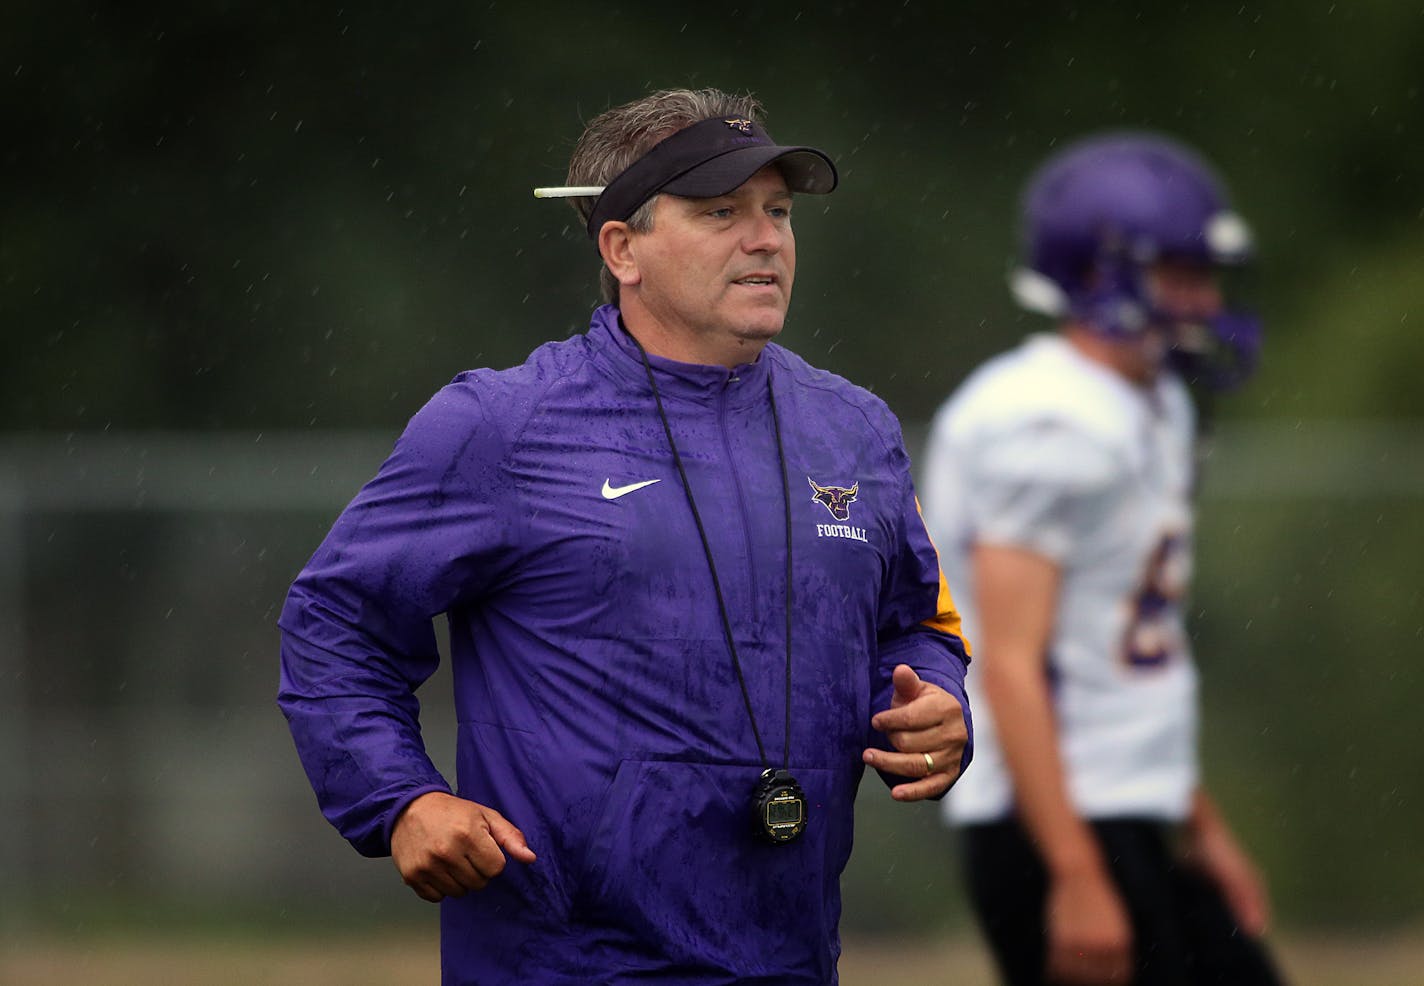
(836, 499)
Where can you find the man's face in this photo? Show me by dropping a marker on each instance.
(716, 273)
(1185, 292)
(1184, 296)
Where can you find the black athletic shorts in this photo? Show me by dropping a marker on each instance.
(1183, 931)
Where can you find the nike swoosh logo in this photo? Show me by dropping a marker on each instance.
(614, 492)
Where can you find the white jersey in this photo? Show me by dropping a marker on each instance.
(1046, 450)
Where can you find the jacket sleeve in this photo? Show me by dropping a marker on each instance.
(918, 623)
(357, 634)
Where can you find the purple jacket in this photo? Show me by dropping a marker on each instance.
(597, 702)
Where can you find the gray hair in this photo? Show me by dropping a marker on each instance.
(616, 138)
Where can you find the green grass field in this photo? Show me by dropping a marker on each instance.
(1376, 961)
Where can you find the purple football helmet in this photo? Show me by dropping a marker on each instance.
(1097, 216)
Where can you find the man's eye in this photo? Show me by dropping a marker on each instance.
(721, 213)
(779, 212)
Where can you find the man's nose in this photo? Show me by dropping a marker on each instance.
(1209, 302)
(763, 235)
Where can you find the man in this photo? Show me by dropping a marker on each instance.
(1058, 483)
(689, 596)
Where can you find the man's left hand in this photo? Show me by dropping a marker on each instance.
(1212, 848)
(925, 724)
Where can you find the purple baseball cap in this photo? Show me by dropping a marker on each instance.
(709, 158)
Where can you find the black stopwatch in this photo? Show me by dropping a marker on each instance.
(780, 806)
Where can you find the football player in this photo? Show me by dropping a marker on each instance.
(1058, 489)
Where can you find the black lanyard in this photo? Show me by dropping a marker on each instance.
(779, 803)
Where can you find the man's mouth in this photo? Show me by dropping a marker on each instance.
(756, 280)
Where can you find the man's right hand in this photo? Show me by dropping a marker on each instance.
(445, 846)
(1089, 933)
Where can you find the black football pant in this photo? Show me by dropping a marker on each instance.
(1183, 931)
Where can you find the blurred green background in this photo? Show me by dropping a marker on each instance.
(240, 244)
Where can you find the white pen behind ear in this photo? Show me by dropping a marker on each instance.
(567, 191)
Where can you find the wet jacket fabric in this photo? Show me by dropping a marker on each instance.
(599, 711)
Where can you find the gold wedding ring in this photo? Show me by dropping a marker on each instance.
(929, 764)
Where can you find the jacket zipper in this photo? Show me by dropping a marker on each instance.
(752, 590)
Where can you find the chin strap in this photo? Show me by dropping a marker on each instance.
(1219, 354)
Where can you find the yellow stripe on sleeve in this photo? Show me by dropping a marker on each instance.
(946, 618)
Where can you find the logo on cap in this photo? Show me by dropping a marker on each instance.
(737, 123)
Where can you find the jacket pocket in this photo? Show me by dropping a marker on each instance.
(678, 876)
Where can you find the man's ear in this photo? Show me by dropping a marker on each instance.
(615, 243)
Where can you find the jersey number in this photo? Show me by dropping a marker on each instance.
(1154, 628)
